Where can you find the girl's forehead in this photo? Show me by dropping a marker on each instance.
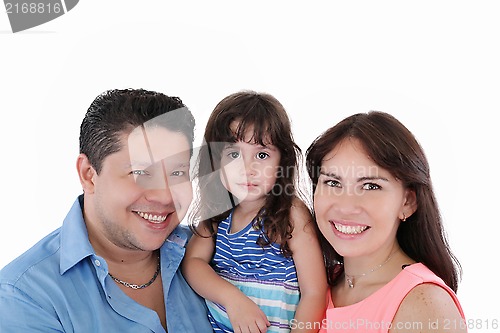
(249, 134)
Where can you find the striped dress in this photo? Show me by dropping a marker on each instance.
(263, 274)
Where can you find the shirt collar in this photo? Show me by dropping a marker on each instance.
(75, 244)
(179, 236)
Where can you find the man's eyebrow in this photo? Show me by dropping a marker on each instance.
(143, 164)
(137, 164)
(229, 146)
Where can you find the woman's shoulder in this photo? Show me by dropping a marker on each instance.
(428, 301)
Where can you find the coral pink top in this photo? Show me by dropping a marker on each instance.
(376, 312)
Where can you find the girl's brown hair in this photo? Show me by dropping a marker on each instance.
(393, 147)
(266, 117)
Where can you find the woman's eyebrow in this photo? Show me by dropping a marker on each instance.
(360, 179)
(330, 174)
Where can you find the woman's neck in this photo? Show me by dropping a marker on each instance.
(362, 264)
(378, 268)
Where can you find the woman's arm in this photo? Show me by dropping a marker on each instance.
(242, 312)
(428, 308)
(311, 273)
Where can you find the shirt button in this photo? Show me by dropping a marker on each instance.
(97, 263)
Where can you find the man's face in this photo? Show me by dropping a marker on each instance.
(144, 190)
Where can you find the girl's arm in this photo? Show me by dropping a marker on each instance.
(243, 313)
(428, 308)
(311, 273)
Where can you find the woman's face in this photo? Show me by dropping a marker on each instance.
(358, 204)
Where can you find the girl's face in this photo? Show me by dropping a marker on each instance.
(249, 170)
(358, 204)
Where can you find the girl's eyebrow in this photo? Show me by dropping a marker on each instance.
(360, 179)
(270, 147)
(235, 145)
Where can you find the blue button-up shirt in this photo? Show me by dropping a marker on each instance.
(61, 285)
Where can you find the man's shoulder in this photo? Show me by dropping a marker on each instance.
(40, 256)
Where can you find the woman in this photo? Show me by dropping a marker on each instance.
(389, 265)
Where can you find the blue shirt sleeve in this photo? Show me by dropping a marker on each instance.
(20, 313)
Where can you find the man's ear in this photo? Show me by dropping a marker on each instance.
(410, 205)
(86, 173)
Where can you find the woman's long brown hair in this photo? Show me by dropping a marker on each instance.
(393, 147)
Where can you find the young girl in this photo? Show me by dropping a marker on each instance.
(388, 262)
(254, 256)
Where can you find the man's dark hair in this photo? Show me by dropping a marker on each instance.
(117, 112)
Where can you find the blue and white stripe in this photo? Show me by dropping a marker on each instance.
(262, 273)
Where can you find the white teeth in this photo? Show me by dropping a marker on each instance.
(152, 218)
(350, 229)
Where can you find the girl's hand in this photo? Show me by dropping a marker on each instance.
(246, 316)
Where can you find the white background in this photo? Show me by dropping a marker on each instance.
(433, 64)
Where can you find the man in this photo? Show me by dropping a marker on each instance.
(113, 266)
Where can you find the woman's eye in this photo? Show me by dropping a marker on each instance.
(371, 187)
(262, 155)
(332, 183)
(139, 173)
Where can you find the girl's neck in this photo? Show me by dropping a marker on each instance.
(249, 208)
(243, 214)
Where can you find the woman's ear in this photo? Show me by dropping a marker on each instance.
(86, 173)
(410, 205)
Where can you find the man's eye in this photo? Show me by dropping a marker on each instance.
(371, 186)
(234, 154)
(178, 173)
(262, 155)
(139, 173)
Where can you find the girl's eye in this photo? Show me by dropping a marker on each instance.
(178, 173)
(262, 155)
(332, 183)
(139, 173)
(371, 186)
(234, 154)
